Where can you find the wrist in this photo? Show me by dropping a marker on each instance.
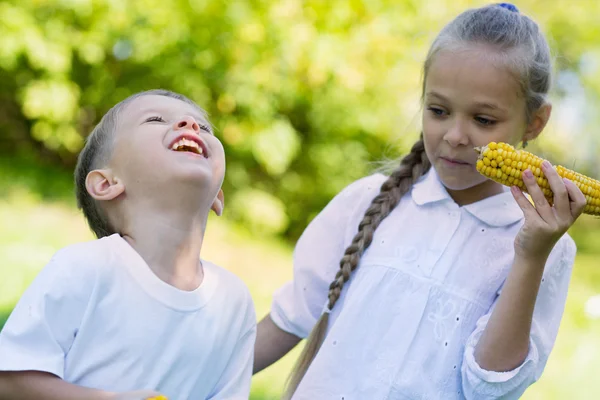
(525, 256)
(531, 260)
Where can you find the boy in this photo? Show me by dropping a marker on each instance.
(137, 308)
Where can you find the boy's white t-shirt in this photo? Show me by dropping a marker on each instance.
(98, 317)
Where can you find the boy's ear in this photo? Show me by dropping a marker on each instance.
(219, 203)
(101, 184)
(538, 122)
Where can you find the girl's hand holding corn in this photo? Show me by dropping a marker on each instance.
(544, 223)
(559, 195)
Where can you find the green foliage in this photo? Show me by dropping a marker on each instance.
(304, 94)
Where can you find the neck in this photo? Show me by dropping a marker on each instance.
(476, 193)
(169, 242)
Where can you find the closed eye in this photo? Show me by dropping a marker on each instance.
(206, 129)
(156, 118)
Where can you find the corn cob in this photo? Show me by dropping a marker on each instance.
(502, 163)
(158, 398)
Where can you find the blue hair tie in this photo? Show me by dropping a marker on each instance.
(509, 7)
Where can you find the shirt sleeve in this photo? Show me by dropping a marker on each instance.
(41, 328)
(298, 304)
(481, 384)
(234, 383)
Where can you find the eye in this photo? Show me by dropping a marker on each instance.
(206, 129)
(485, 121)
(437, 111)
(156, 118)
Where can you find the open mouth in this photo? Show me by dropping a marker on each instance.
(189, 144)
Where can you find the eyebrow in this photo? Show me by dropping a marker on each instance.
(435, 94)
(479, 104)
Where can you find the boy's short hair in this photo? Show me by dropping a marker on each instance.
(97, 152)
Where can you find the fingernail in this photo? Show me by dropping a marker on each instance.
(528, 173)
(546, 164)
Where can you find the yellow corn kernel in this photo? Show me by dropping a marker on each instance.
(514, 162)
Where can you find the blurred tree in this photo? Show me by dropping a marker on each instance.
(304, 94)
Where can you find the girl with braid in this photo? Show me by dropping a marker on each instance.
(435, 282)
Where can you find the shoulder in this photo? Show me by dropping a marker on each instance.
(81, 266)
(82, 259)
(354, 198)
(234, 294)
(69, 277)
(92, 251)
(345, 209)
(363, 188)
(231, 284)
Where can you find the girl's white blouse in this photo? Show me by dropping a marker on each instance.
(407, 322)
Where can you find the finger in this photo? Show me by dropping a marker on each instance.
(528, 209)
(541, 204)
(561, 195)
(577, 198)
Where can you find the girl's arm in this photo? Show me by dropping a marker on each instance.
(272, 343)
(36, 385)
(504, 343)
(510, 345)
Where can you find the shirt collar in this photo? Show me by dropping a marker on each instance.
(498, 210)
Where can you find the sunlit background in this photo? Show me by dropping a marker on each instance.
(306, 97)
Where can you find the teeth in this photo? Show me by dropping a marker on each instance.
(186, 143)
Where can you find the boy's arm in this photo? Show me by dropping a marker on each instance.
(36, 385)
(272, 343)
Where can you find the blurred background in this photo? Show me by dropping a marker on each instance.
(306, 97)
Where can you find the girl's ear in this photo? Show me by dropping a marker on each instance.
(101, 184)
(538, 122)
(219, 203)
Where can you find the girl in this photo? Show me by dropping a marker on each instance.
(450, 286)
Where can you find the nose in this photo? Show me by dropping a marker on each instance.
(187, 123)
(457, 134)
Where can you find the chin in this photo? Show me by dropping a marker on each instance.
(456, 184)
(197, 171)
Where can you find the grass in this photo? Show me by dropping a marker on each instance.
(33, 228)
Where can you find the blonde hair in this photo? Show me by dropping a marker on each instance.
(523, 48)
(96, 154)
